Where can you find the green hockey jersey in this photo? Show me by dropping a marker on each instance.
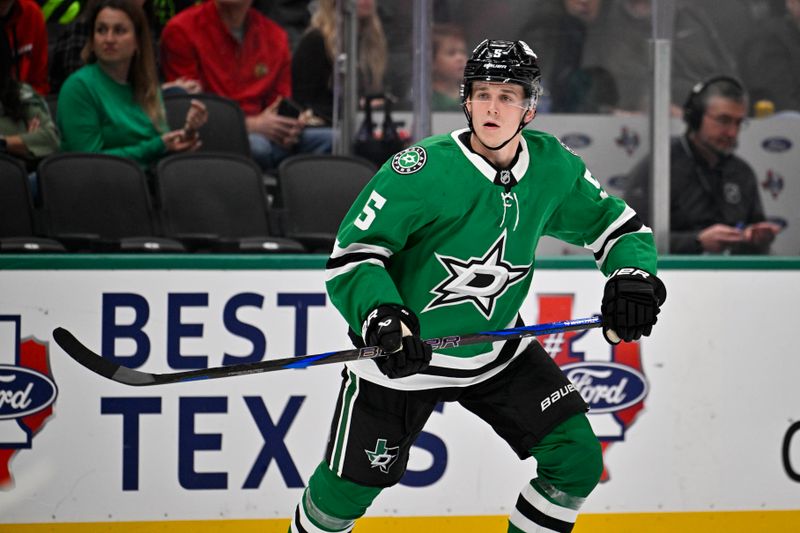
(442, 231)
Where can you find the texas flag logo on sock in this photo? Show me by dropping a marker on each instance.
(27, 393)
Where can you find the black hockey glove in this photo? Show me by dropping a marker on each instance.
(631, 302)
(395, 329)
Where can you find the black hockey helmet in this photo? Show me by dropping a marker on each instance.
(504, 62)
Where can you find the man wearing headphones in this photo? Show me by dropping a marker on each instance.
(714, 200)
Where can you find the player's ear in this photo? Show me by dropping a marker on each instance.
(530, 114)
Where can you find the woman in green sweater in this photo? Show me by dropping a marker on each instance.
(113, 104)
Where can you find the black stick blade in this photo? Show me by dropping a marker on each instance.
(97, 364)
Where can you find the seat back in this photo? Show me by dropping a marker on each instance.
(225, 130)
(16, 209)
(212, 193)
(318, 190)
(95, 194)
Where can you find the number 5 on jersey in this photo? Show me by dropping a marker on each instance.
(364, 220)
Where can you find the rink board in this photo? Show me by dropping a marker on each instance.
(710, 522)
(715, 431)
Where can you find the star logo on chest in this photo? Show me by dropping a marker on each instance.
(477, 280)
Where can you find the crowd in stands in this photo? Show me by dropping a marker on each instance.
(108, 64)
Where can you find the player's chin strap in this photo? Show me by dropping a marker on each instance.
(522, 124)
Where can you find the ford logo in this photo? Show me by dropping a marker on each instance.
(607, 387)
(776, 144)
(620, 181)
(24, 391)
(576, 141)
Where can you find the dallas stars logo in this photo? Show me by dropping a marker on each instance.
(479, 280)
(409, 160)
(382, 457)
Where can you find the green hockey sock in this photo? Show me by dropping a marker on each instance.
(570, 463)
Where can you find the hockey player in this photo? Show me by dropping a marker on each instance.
(441, 242)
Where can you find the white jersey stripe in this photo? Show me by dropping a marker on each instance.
(334, 272)
(625, 216)
(347, 417)
(359, 248)
(353, 249)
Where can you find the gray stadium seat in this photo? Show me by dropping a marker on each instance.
(17, 216)
(318, 190)
(99, 203)
(216, 202)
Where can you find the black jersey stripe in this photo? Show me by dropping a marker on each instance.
(633, 225)
(535, 515)
(358, 257)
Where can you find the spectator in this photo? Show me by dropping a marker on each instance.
(26, 128)
(159, 12)
(714, 200)
(621, 45)
(449, 60)
(236, 52)
(23, 25)
(312, 64)
(293, 16)
(58, 15)
(772, 61)
(68, 46)
(114, 101)
(559, 29)
(741, 20)
(72, 39)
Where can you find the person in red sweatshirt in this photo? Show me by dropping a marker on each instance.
(236, 52)
(23, 24)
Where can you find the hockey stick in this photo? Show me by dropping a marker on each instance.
(116, 372)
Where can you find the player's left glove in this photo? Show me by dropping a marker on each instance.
(631, 303)
(395, 329)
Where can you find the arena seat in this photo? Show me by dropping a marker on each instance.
(18, 232)
(99, 203)
(216, 202)
(318, 190)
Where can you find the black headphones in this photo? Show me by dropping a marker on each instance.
(694, 108)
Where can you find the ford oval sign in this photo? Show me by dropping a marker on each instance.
(24, 391)
(776, 144)
(607, 387)
(576, 141)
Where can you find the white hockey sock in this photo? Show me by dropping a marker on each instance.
(535, 513)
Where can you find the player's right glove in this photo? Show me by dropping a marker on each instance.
(631, 303)
(395, 329)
